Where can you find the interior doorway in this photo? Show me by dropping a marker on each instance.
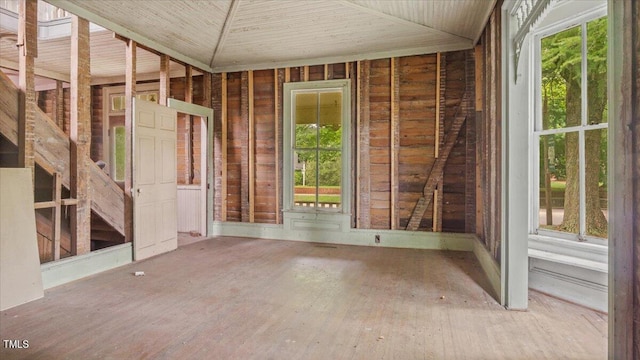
(195, 193)
(192, 174)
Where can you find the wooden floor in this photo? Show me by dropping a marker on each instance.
(233, 298)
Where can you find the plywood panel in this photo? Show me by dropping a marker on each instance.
(20, 279)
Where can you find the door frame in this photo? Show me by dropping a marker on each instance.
(207, 115)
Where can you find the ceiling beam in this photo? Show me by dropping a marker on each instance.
(121, 30)
(225, 29)
(400, 21)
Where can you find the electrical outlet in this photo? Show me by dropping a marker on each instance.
(377, 238)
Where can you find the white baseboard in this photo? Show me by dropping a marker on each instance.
(587, 287)
(76, 267)
(490, 267)
(361, 237)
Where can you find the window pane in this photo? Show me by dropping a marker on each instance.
(597, 71)
(597, 212)
(306, 121)
(329, 179)
(559, 183)
(304, 178)
(561, 79)
(331, 120)
(117, 102)
(119, 153)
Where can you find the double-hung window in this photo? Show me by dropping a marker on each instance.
(316, 147)
(570, 131)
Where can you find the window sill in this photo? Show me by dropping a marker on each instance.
(316, 220)
(570, 270)
(569, 252)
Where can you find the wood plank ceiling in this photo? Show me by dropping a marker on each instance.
(231, 35)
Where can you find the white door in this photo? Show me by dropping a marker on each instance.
(154, 180)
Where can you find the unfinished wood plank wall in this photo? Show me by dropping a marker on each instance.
(488, 135)
(414, 102)
(624, 230)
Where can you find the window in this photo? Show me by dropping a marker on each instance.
(570, 131)
(316, 138)
(118, 153)
(114, 108)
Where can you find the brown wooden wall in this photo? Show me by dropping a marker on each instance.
(489, 135)
(189, 131)
(415, 103)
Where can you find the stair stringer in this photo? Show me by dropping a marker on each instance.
(52, 148)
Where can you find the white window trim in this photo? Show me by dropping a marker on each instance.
(289, 88)
(108, 143)
(536, 36)
(557, 264)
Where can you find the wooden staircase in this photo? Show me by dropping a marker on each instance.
(52, 147)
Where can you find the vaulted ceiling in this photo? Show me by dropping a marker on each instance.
(231, 35)
(226, 35)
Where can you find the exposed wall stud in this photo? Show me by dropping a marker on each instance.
(252, 151)
(129, 93)
(164, 80)
(395, 140)
(80, 136)
(28, 51)
(224, 134)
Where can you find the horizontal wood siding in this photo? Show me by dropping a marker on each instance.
(454, 180)
(379, 142)
(416, 147)
(417, 132)
(237, 130)
(265, 166)
(488, 133)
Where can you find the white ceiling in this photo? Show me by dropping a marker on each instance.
(231, 35)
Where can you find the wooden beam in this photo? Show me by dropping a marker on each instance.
(206, 89)
(276, 126)
(226, 27)
(624, 172)
(364, 175)
(129, 93)
(441, 101)
(346, 70)
(358, 150)
(28, 51)
(480, 118)
(80, 135)
(305, 73)
(252, 152)
(287, 75)
(224, 135)
(58, 105)
(326, 71)
(437, 142)
(395, 141)
(57, 215)
(165, 79)
(435, 175)
(244, 144)
(188, 84)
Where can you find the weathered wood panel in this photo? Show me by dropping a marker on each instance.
(236, 140)
(415, 102)
(380, 142)
(624, 230)
(417, 126)
(217, 86)
(265, 146)
(488, 136)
